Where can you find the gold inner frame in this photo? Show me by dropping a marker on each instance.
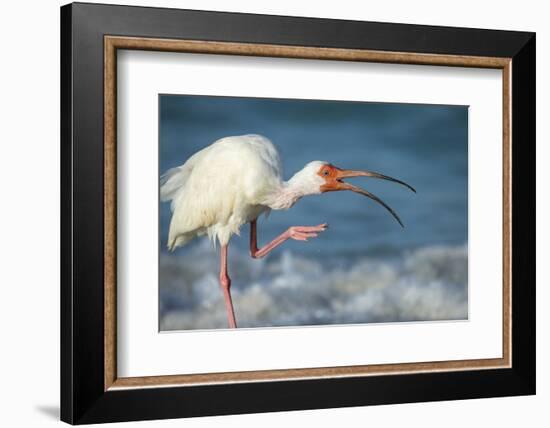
(113, 43)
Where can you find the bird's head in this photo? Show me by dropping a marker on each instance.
(321, 177)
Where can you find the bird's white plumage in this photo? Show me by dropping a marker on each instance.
(221, 187)
(233, 181)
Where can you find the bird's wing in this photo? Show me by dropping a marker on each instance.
(216, 190)
(209, 194)
(265, 149)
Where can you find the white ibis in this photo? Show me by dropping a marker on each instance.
(233, 181)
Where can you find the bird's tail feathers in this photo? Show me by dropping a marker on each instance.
(171, 182)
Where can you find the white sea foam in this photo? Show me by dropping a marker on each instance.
(425, 284)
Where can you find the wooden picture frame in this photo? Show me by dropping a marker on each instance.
(91, 390)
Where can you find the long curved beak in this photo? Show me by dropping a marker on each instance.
(338, 184)
(347, 173)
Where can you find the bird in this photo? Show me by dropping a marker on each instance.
(236, 179)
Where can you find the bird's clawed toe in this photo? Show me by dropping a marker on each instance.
(305, 236)
(302, 233)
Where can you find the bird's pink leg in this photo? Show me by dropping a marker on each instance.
(225, 283)
(299, 233)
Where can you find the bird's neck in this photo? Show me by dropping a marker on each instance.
(288, 193)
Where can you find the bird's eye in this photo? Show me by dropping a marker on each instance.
(325, 172)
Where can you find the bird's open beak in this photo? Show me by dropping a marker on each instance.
(337, 183)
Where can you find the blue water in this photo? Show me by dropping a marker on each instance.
(423, 145)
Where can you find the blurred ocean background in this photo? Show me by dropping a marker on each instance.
(365, 268)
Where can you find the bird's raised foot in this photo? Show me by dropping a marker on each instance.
(302, 233)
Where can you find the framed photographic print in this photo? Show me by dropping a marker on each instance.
(265, 213)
